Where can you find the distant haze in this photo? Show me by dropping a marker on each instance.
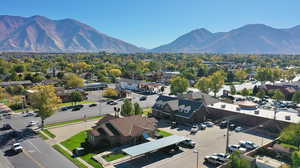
(41, 34)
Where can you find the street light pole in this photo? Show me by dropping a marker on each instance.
(262, 138)
(197, 161)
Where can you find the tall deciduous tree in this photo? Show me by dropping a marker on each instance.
(203, 84)
(45, 101)
(73, 81)
(115, 72)
(137, 109)
(241, 75)
(291, 135)
(278, 95)
(261, 93)
(179, 85)
(296, 159)
(127, 108)
(217, 81)
(76, 96)
(296, 97)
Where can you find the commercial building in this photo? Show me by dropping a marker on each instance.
(118, 131)
(179, 109)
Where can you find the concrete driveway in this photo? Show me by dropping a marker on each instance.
(65, 132)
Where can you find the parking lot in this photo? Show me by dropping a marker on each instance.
(209, 141)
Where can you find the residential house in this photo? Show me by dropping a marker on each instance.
(129, 84)
(179, 109)
(4, 109)
(119, 131)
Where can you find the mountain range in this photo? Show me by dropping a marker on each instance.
(252, 38)
(41, 34)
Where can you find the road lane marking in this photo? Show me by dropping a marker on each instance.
(31, 158)
(34, 146)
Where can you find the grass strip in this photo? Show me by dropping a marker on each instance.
(114, 156)
(50, 134)
(71, 121)
(164, 133)
(77, 103)
(67, 155)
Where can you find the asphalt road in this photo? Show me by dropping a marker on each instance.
(37, 153)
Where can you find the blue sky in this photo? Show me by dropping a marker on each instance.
(150, 23)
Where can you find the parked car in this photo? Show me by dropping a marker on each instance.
(66, 108)
(93, 105)
(194, 129)
(248, 145)
(232, 126)
(32, 123)
(213, 160)
(111, 102)
(173, 124)
(202, 126)
(76, 109)
(238, 129)
(29, 114)
(187, 143)
(143, 98)
(223, 124)
(17, 147)
(209, 124)
(233, 148)
(6, 127)
(222, 156)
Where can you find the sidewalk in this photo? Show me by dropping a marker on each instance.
(78, 158)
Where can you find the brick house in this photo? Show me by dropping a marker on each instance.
(119, 131)
(179, 109)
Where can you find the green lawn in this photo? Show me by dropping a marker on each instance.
(50, 134)
(146, 111)
(72, 103)
(67, 155)
(71, 121)
(88, 158)
(164, 133)
(75, 141)
(114, 156)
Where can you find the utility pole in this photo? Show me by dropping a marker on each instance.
(227, 138)
(197, 161)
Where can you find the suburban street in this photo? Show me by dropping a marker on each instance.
(37, 153)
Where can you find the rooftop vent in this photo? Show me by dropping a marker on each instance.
(256, 112)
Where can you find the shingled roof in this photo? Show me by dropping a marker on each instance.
(127, 126)
(181, 107)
